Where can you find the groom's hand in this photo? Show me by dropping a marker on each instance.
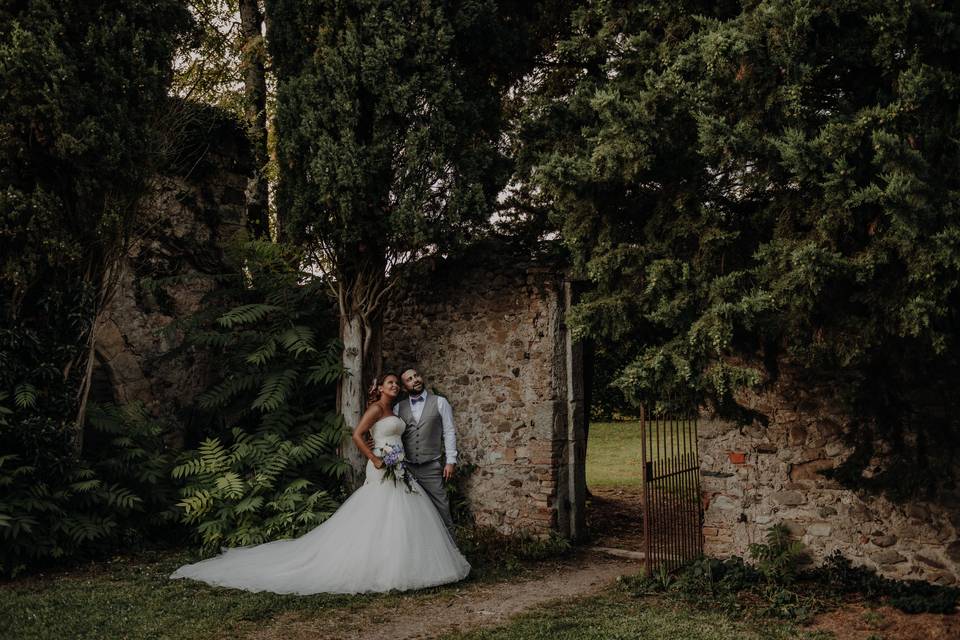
(448, 471)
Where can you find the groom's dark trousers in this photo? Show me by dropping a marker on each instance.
(423, 443)
(430, 477)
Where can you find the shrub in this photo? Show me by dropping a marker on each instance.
(778, 560)
(119, 492)
(776, 588)
(456, 495)
(911, 596)
(267, 465)
(487, 549)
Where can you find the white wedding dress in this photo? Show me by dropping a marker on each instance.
(382, 537)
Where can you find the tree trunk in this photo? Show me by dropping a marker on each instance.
(373, 354)
(353, 387)
(255, 111)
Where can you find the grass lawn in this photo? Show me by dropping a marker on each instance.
(132, 596)
(613, 455)
(616, 616)
(134, 599)
(129, 598)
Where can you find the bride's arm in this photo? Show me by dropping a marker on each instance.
(363, 427)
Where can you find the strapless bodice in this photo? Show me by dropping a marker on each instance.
(387, 431)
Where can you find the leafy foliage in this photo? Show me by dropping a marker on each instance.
(389, 128)
(766, 188)
(268, 465)
(119, 492)
(457, 496)
(911, 596)
(491, 552)
(730, 586)
(778, 559)
(389, 117)
(83, 87)
(775, 586)
(259, 488)
(208, 68)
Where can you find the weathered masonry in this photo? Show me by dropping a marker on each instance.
(487, 331)
(189, 216)
(754, 477)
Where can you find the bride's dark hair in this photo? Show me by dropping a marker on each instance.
(373, 394)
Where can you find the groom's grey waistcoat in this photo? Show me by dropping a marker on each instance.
(423, 440)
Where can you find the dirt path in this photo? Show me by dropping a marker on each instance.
(858, 621)
(469, 607)
(615, 517)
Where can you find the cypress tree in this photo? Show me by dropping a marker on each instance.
(81, 86)
(389, 124)
(767, 184)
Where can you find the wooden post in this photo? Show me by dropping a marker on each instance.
(576, 449)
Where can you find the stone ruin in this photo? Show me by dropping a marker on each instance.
(488, 332)
(753, 477)
(191, 213)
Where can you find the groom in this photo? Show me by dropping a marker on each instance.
(430, 430)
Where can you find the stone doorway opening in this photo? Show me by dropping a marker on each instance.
(643, 480)
(614, 476)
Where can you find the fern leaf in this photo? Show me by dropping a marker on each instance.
(226, 391)
(187, 469)
(231, 484)
(263, 354)
(25, 395)
(84, 486)
(214, 457)
(298, 340)
(275, 390)
(245, 314)
(249, 504)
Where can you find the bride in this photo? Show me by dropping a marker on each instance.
(385, 536)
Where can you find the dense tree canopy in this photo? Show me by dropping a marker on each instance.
(389, 127)
(763, 185)
(82, 86)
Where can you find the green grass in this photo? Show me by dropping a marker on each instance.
(132, 596)
(614, 452)
(613, 455)
(615, 616)
(135, 599)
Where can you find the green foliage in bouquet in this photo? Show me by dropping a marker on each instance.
(268, 465)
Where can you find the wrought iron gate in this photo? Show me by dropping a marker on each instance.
(672, 508)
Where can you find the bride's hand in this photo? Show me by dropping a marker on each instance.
(378, 462)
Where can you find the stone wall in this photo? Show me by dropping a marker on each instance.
(188, 216)
(487, 332)
(779, 480)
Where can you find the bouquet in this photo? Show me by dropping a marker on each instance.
(393, 465)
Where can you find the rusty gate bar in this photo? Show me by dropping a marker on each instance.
(672, 508)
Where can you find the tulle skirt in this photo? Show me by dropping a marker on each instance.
(381, 538)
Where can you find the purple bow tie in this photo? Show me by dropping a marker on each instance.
(416, 399)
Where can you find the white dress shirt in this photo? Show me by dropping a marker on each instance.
(446, 417)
